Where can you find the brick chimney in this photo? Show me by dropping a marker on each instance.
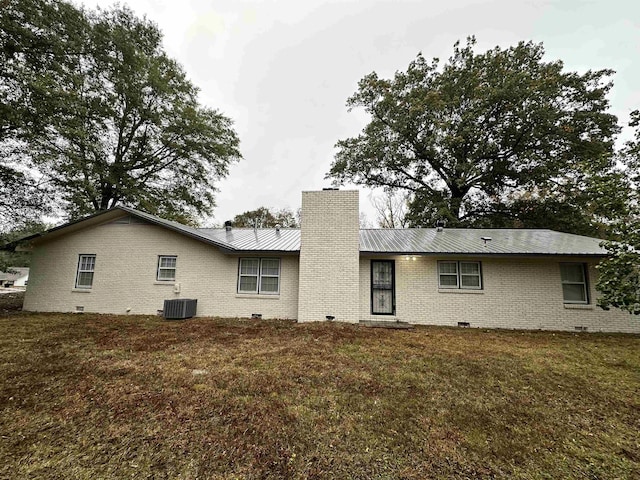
(329, 257)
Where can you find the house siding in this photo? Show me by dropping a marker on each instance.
(125, 275)
(518, 293)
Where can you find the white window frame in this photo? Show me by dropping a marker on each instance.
(456, 274)
(459, 275)
(584, 283)
(160, 267)
(259, 276)
(80, 270)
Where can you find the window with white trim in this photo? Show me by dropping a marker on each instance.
(259, 275)
(574, 283)
(86, 268)
(459, 274)
(166, 268)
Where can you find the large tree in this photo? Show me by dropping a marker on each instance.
(22, 199)
(486, 139)
(619, 274)
(264, 217)
(391, 210)
(36, 39)
(127, 126)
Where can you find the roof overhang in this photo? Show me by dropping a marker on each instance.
(99, 218)
(26, 243)
(480, 254)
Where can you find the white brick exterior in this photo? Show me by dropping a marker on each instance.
(328, 277)
(517, 293)
(329, 253)
(125, 275)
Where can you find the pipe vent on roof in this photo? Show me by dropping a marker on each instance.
(440, 225)
(228, 225)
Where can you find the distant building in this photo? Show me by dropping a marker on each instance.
(15, 277)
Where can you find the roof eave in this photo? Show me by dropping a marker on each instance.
(482, 254)
(168, 226)
(260, 252)
(147, 217)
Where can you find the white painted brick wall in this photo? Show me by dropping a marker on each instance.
(329, 278)
(329, 256)
(125, 275)
(518, 293)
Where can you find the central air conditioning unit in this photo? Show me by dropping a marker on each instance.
(180, 308)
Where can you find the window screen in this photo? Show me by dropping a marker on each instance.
(574, 283)
(86, 268)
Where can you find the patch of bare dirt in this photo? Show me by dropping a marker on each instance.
(11, 302)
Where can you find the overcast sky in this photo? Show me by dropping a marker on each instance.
(282, 70)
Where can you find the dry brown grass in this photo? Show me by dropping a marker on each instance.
(91, 396)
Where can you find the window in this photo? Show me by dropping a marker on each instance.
(465, 275)
(86, 267)
(269, 275)
(574, 283)
(166, 268)
(259, 275)
(382, 287)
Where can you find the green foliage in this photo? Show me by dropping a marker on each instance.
(22, 199)
(10, 258)
(35, 37)
(264, 218)
(123, 125)
(38, 38)
(619, 274)
(498, 138)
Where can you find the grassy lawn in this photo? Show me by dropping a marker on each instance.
(97, 396)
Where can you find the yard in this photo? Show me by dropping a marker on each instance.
(91, 396)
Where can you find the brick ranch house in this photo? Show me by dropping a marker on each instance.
(125, 261)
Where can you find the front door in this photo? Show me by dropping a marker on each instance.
(383, 301)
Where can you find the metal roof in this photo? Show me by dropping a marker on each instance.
(469, 241)
(419, 241)
(260, 239)
(197, 233)
(449, 241)
(100, 216)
